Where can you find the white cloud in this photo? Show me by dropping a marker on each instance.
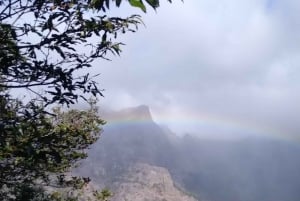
(235, 59)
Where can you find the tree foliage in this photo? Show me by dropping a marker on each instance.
(57, 40)
(37, 151)
(45, 48)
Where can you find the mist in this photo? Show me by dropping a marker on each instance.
(249, 169)
(220, 79)
(217, 61)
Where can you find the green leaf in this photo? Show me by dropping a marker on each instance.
(153, 3)
(138, 3)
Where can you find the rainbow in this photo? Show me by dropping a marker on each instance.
(194, 123)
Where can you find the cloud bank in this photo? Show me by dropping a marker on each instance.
(233, 60)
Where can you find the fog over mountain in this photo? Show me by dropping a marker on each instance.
(224, 76)
(230, 65)
(247, 169)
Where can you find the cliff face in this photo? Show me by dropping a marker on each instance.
(143, 182)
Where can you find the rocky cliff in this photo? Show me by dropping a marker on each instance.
(143, 182)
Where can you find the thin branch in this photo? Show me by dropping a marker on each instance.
(25, 86)
(9, 5)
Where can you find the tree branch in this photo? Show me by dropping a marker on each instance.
(25, 85)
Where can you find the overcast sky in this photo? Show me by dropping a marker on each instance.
(213, 67)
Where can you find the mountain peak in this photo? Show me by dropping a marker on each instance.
(141, 112)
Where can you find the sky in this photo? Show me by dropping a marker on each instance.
(218, 68)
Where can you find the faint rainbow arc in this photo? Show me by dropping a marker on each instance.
(205, 119)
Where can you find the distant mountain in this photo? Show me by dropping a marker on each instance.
(252, 169)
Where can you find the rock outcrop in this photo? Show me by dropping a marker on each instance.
(143, 182)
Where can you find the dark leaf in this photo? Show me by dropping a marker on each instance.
(58, 50)
(118, 3)
(138, 3)
(153, 3)
(107, 3)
